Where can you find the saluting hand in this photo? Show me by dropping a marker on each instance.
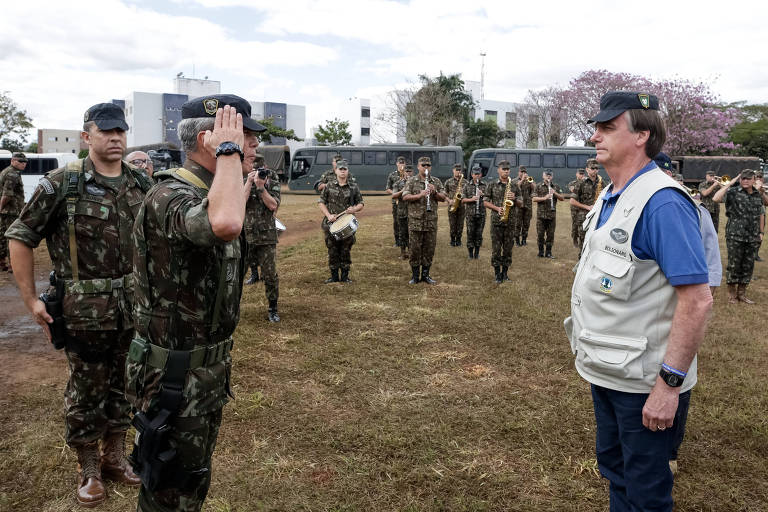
(227, 127)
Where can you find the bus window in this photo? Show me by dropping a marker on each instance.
(353, 157)
(551, 160)
(375, 158)
(532, 160)
(446, 158)
(299, 167)
(419, 154)
(573, 162)
(394, 154)
(509, 157)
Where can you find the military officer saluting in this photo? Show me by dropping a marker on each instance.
(501, 197)
(524, 212)
(85, 211)
(455, 217)
(474, 192)
(707, 189)
(11, 201)
(546, 196)
(395, 177)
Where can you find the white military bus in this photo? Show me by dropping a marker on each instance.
(38, 164)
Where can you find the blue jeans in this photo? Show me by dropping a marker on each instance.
(634, 459)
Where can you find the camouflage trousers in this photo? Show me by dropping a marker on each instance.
(475, 227)
(545, 231)
(402, 231)
(522, 219)
(580, 218)
(422, 244)
(339, 251)
(575, 225)
(194, 439)
(95, 398)
(741, 261)
(502, 241)
(395, 224)
(5, 223)
(265, 256)
(456, 223)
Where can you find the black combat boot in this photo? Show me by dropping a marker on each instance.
(497, 273)
(541, 251)
(425, 277)
(334, 276)
(458, 241)
(414, 275)
(272, 315)
(254, 276)
(524, 240)
(548, 254)
(471, 251)
(345, 276)
(477, 251)
(504, 276)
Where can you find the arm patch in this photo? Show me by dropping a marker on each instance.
(47, 185)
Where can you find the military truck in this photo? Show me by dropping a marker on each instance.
(694, 168)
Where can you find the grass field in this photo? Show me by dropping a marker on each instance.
(380, 396)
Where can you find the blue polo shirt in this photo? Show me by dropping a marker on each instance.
(667, 232)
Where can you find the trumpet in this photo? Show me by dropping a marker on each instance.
(530, 179)
(723, 180)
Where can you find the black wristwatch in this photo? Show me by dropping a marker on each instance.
(228, 148)
(673, 380)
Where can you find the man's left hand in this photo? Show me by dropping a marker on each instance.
(660, 407)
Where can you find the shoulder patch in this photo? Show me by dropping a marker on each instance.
(47, 186)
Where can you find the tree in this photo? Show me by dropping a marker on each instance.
(32, 148)
(11, 145)
(751, 134)
(334, 133)
(481, 134)
(275, 131)
(544, 116)
(13, 122)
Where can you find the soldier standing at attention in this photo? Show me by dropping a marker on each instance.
(85, 211)
(585, 194)
(547, 196)
(262, 201)
(394, 177)
(474, 192)
(502, 239)
(402, 211)
(523, 214)
(707, 189)
(11, 202)
(455, 218)
(574, 209)
(743, 204)
(336, 199)
(422, 194)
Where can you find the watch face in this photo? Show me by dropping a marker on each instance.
(673, 380)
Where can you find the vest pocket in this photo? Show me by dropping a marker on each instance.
(611, 276)
(617, 356)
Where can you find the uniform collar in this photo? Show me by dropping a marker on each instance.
(89, 172)
(198, 170)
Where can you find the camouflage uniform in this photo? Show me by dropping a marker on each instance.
(475, 216)
(97, 306)
(336, 199)
(422, 224)
(586, 192)
(11, 187)
(329, 176)
(393, 178)
(502, 238)
(456, 218)
(524, 213)
(712, 207)
(261, 235)
(402, 214)
(546, 218)
(742, 233)
(188, 289)
(574, 214)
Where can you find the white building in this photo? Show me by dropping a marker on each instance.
(51, 140)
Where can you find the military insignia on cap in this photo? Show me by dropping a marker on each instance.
(619, 235)
(645, 100)
(606, 285)
(211, 105)
(85, 117)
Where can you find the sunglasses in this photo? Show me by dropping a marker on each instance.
(426, 165)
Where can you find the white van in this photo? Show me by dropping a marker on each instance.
(38, 164)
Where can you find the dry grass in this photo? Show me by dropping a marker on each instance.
(380, 396)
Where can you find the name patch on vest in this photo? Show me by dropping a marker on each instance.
(615, 250)
(619, 235)
(95, 190)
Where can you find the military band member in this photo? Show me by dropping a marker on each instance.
(574, 209)
(523, 213)
(474, 192)
(402, 211)
(585, 194)
(502, 239)
(394, 177)
(547, 196)
(11, 201)
(455, 218)
(262, 200)
(330, 175)
(422, 195)
(707, 189)
(340, 196)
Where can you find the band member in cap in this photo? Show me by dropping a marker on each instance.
(422, 193)
(524, 213)
(394, 177)
(574, 209)
(337, 198)
(455, 218)
(330, 175)
(502, 230)
(402, 211)
(474, 192)
(743, 233)
(707, 189)
(189, 264)
(640, 303)
(85, 211)
(547, 195)
(585, 194)
(11, 201)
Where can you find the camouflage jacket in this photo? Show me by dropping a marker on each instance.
(11, 187)
(259, 223)
(393, 178)
(450, 190)
(103, 219)
(188, 285)
(586, 191)
(526, 192)
(338, 198)
(706, 201)
(402, 206)
(419, 219)
(494, 194)
(572, 189)
(743, 212)
(470, 190)
(546, 209)
(329, 176)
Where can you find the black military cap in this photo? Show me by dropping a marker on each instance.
(107, 116)
(504, 164)
(206, 106)
(617, 102)
(663, 161)
(21, 157)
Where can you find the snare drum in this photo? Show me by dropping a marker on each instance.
(344, 227)
(279, 226)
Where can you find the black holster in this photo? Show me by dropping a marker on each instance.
(54, 306)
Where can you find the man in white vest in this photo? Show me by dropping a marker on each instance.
(639, 304)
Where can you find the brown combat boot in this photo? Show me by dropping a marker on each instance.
(113, 464)
(732, 299)
(741, 294)
(90, 489)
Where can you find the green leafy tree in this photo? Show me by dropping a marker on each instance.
(751, 134)
(481, 134)
(276, 131)
(32, 148)
(14, 122)
(439, 111)
(334, 133)
(11, 145)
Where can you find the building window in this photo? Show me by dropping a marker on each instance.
(365, 112)
(491, 115)
(51, 139)
(365, 132)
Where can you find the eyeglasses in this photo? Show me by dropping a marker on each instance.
(139, 162)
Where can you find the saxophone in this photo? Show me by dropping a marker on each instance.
(457, 198)
(508, 203)
(599, 187)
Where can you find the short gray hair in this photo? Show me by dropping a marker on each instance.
(188, 129)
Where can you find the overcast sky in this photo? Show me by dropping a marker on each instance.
(61, 57)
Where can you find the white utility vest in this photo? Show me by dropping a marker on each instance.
(622, 306)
